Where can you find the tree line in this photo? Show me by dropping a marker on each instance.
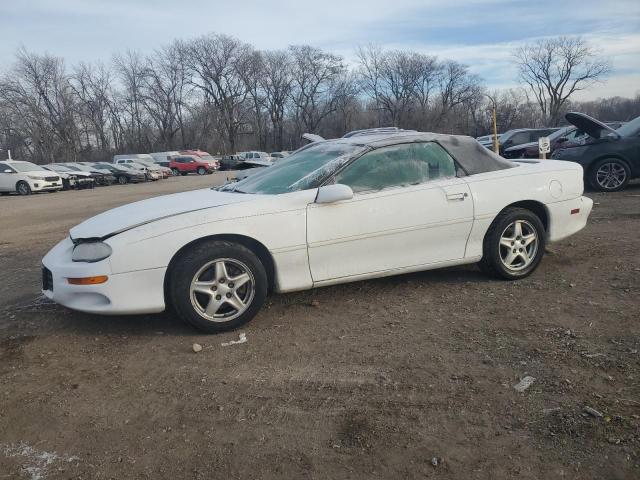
(222, 95)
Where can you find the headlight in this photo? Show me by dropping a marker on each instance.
(90, 252)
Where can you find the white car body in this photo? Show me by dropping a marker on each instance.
(153, 173)
(396, 230)
(261, 159)
(36, 177)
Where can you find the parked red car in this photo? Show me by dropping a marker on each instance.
(203, 156)
(183, 164)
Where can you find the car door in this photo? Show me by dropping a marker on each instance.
(7, 180)
(409, 209)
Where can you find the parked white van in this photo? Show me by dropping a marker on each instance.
(27, 177)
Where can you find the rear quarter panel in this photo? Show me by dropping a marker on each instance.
(546, 182)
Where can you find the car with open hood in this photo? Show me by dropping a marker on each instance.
(334, 211)
(26, 178)
(610, 158)
(71, 179)
(101, 176)
(569, 135)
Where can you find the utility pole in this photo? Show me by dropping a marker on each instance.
(496, 146)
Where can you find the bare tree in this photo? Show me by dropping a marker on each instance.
(92, 87)
(398, 81)
(163, 94)
(132, 69)
(276, 82)
(216, 63)
(38, 93)
(316, 75)
(554, 69)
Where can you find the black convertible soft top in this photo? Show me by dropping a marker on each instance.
(470, 155)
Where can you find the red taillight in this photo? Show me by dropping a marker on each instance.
(574, 211)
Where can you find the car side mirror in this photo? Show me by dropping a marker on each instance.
(334, 193)
(563, 139)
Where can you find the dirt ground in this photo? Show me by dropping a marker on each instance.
(404, 377)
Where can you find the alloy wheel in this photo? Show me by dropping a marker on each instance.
(611, 175)
(222, 290)
(518, 245)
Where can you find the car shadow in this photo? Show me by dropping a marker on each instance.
(44, 317)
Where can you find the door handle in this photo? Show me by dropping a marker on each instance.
(457, 196)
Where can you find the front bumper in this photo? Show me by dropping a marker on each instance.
(133, 292)
(43, 185)
(568, 217)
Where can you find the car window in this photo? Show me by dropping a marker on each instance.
(398, 165)
(520, 137)
(4, 166)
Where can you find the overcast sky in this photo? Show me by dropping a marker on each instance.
(480, 33)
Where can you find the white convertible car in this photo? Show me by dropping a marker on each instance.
(335, 211)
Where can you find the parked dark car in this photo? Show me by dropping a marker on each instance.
(563, 137)
(123, 175)
(231, 162)
(511, 138)
(610, 158)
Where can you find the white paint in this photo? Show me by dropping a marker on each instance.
(525, 383)
(242, 339)
(36, 462)
(392, 231)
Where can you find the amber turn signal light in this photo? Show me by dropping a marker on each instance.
(88, 280)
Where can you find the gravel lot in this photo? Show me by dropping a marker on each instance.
(404, 377)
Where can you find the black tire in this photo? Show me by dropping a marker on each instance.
(184, 174)
(123, 180)
(492, 262)
(190, 265)
(23, 188)
(609, 175)
(175, 171)
(201, 171)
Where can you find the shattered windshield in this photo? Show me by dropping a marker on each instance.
(299, 171)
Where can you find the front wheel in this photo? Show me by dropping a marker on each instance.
(122, 180)
(609, 175)
(218, 286)
(201, 171)
(23, 188)
(513, 245)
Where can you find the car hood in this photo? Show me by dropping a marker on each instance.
(594, 128)
(139, 213)
(39, 173)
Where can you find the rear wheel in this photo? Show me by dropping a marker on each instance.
(23, 188)
(218, 286)
(175, 171)
(123, 180)
(609, 175)
(513, 245)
